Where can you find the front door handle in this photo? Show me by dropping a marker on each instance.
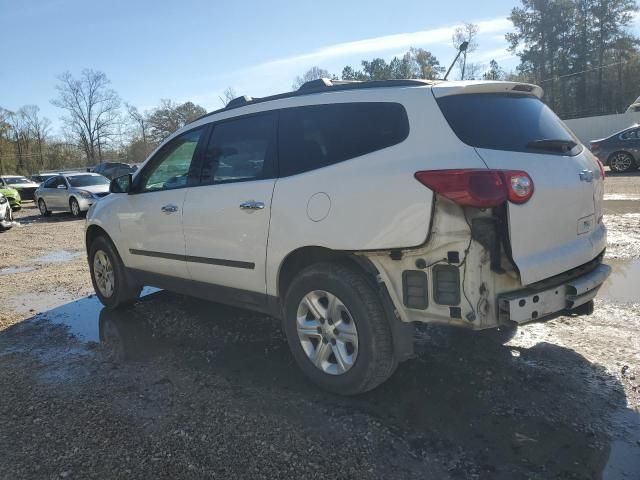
(170, 208)
(252, 205)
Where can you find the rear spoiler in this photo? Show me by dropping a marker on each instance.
(444, 89)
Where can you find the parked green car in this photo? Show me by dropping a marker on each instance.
(13, 196)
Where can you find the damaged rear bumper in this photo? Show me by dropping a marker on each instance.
(531, 304)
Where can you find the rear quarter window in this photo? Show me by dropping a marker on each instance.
(504, 121)
(316, 136)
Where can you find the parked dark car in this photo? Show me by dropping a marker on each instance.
(621, 151)
(113, 170)
(42, 177)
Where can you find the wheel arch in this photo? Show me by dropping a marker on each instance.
(95, 231)
(303, 257)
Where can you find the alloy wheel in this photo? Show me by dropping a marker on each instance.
(327, 332)
(75, 208)
(103, 273)
(621, 162)
(42, 207)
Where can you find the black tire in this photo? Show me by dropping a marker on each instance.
(74, 206)
(124, 291)
(622, 162)
(43, 208)
(375, 361)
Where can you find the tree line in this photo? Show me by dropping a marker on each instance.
(97, 126)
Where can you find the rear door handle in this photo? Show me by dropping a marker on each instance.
(252, 205)
(170, 208)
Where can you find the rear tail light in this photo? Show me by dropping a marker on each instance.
(479, 188)
(601, 167)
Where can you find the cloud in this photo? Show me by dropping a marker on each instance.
(499, 55)
(384, 43)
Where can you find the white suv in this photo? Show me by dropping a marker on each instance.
(353, 210)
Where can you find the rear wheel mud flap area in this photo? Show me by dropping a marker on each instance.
(533, 304)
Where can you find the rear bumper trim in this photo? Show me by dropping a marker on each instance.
(527, 305)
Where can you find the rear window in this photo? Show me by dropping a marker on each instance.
(87, 180)
(506, 122)
(319, 135)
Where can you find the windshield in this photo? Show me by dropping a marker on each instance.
(87, 180)
(16, 180)
(512, 122)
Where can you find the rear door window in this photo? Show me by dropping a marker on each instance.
(316, 136)
(517, 123)
(50, 183)
(241, 149)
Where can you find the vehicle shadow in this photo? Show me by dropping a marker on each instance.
(633, 173)
(34, 216)
(538, 412)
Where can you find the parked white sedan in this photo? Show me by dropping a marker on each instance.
(73, 192)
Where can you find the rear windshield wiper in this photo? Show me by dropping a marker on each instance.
(554, 145)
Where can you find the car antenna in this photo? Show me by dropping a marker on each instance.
(462, 48)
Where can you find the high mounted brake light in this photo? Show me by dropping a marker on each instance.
(479, 188)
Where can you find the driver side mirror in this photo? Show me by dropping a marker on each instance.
(121, 184)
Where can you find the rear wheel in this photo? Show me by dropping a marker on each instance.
(75, 207)
(621, 162)
(111, 283)
(43, 208)
(337, 329)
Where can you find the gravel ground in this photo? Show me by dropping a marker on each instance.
(180, 388)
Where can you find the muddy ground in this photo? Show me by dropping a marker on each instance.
(179, 388)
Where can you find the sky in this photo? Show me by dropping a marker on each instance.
(194, 49)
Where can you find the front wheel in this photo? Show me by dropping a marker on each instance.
(111, 283)
(337, 329)
(622, 162)
(75, 207)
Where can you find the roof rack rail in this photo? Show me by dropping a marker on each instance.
(318, 86)
(239, 101)
(324, 83)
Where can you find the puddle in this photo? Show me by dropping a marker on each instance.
(83, 316)
(11, 270)
(57, 256)
(622, 285)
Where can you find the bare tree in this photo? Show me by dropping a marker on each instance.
(170, 116)
(140, 119)
(21, 138)
(228, 95)
(313, 73)
(465, 33)
(38, 129)
(92, 110)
